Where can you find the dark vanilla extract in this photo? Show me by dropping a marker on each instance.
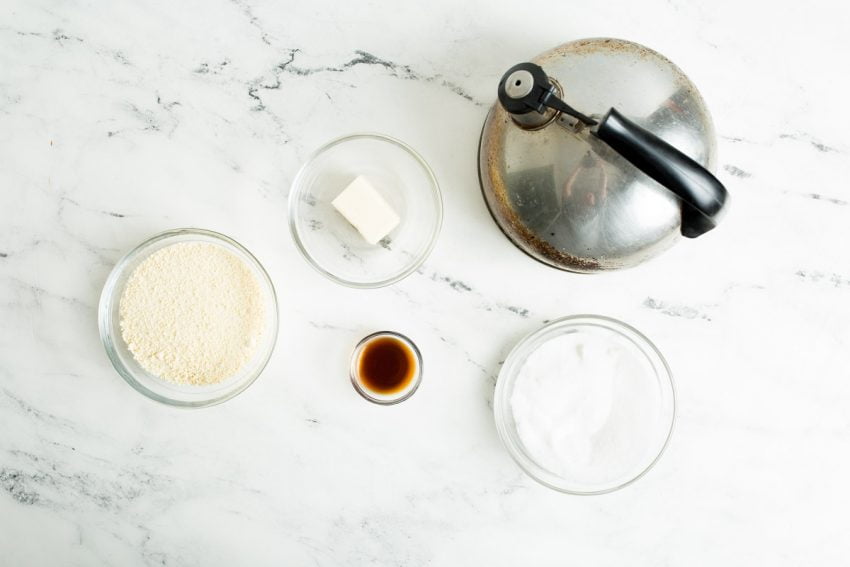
(386, 366)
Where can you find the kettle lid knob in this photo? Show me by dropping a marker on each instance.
(526, 88)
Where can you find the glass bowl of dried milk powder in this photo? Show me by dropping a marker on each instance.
(585, 405)
(189, 318)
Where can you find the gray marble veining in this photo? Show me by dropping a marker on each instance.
(119, 120)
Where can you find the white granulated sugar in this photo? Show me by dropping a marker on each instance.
(192, 313)
(586, 408)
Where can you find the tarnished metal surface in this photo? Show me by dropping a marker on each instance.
(566, 198)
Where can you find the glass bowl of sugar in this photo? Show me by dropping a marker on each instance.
(365, 210)
(189, 318)
(585, 405)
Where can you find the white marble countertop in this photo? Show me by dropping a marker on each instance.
(119, 120)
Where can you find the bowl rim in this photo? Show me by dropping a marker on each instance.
(106, 322)
(297, 188)
(501, 405)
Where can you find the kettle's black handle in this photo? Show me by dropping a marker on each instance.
(703, 197)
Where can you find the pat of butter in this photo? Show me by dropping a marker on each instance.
(362, 206)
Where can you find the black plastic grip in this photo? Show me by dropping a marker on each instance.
(703, 197)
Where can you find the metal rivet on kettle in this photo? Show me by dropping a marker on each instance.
(519, 84)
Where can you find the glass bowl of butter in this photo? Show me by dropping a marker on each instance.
(365, 210)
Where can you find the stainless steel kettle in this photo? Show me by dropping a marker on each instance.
(611, 188)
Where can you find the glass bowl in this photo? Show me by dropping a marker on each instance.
(377, 397)
(608, 432)
(334, 247)
(164, 391)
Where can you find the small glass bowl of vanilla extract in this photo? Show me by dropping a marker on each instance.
(386, 368)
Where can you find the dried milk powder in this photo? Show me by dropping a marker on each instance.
(192, 313)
